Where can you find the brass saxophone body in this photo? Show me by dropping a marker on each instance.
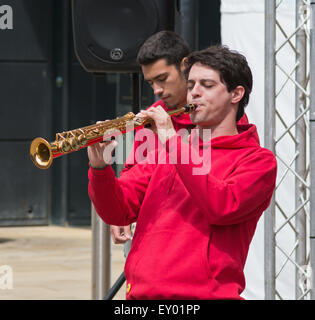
(43, 152)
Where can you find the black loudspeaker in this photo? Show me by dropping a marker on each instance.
(108, 33)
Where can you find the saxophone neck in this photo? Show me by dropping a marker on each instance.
(185, 109)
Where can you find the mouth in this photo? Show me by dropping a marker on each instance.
(198, 105)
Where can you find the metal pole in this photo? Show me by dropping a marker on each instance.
(101, 257)
(64, 185)
(136, 93)
(312, 149)
(300, 147)
(269, 217)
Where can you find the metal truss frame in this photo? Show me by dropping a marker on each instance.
(297, 135)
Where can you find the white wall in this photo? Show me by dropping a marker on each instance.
(242, 27)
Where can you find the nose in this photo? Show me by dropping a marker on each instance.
(195, 91)
(158, 90)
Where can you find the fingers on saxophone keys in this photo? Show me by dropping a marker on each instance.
(110, 143)
(108, 138)
(142, 114)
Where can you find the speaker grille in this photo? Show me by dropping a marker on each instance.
(116, 30)
(122, 22)
(108, 34)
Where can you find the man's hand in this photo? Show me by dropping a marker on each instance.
(163, 123)
(120, 234)
(100, 154)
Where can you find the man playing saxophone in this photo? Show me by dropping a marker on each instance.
(194, 227)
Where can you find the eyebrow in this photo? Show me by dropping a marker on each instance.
(158, 76)
(202, 80)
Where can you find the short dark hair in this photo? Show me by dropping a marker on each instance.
(231, 66)
(166, 45)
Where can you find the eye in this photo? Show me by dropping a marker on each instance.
(162, 79)
(207, 84)
(190, 85)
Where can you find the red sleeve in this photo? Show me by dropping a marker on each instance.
(118, 201)
(246, 192)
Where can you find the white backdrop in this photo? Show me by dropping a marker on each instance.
(242, 29)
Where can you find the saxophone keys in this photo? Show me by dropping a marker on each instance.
(65, 146)
(82, 140)
(74, 143)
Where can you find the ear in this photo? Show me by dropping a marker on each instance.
(237, 94)
(183, 64)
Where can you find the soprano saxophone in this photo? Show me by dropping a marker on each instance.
(43, 152)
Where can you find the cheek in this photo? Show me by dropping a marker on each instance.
(189, 98)
(176, 90)
(168, 86)
(216, 99)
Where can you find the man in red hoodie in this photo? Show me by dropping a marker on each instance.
(161, 58)
(194, 227)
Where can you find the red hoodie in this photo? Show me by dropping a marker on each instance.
(193, 231)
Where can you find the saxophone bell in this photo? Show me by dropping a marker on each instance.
(41, 153)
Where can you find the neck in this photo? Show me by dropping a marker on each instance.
(217, 131)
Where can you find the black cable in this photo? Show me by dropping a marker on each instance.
(114, 289)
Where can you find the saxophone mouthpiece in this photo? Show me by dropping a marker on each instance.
(190, 108)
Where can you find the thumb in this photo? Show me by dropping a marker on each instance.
(127, 232)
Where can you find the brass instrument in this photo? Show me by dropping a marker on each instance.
(42, 152)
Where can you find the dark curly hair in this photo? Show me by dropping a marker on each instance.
(231, 66)
(166, 45)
